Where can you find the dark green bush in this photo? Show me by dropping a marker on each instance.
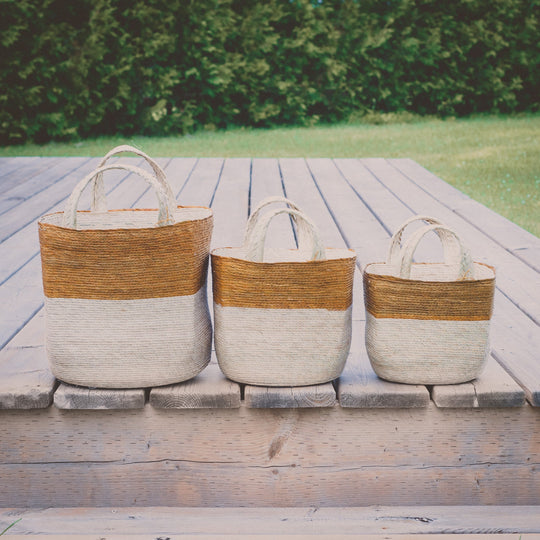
(97, 67)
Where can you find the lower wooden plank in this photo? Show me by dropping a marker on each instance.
(263, 457)
(202, 484)
(297, 523)
(313, 536)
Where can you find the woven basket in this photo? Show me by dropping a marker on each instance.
(125, 299)
(282, 317)
(428, 323)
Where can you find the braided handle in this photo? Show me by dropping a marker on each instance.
(301, 228)
(312, 242)
(393, 256)
(99, 202)
(167, 205)
(460, 259)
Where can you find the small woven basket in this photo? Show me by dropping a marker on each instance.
(125, 290)
(428, 323)
(282, 317)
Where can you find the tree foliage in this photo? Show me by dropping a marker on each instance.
(95, 67)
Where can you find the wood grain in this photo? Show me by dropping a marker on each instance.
(518, 241)
(519, 281)
(297, 523)
(71, 397)
(208, 390)
(270, 457)
(320, 395)
(493, 388)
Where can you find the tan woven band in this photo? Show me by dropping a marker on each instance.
(125, 264)
(397, 298)
(283, 285)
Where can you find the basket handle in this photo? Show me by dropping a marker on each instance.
(167, 205)
(99, 201)
(393, 256)
(302, 230)
(311, 242)
(460, 259)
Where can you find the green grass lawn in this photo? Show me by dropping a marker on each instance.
(494, 159)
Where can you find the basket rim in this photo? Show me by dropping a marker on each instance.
(348, 254)
(46, 224)
(390, 277)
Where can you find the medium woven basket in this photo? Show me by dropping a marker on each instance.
(125, 290)
(282, 317)
(428, 323)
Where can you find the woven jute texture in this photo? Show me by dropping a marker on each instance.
(284, 319)
(125, 290)
(428, 323)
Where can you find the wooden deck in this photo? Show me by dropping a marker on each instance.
(211, 442)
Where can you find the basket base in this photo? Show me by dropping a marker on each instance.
(128, 343)
(415, 351)
(282, 347)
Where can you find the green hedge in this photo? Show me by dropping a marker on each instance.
(72, 69)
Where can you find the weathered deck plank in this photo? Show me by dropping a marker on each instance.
(331, 456)
(208, 390)
(479, 522)
(510, 350)
(518, 241)
(69, 397)
(359, 200)
(493, 388)
(266, 181)
(518, 281)
(16, 172)
(359, 387)
(26, 381)
(70, 170)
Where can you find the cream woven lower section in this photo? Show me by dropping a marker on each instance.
(128, 343)
(426, 352)
(281, 347)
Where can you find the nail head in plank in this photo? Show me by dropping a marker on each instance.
(264, 397)
(68, 396)
(493, 388)
(208, 390)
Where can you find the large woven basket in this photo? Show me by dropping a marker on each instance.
(428, 323)
(125, 290)
(282, 317)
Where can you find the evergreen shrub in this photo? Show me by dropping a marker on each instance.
(80, 69)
